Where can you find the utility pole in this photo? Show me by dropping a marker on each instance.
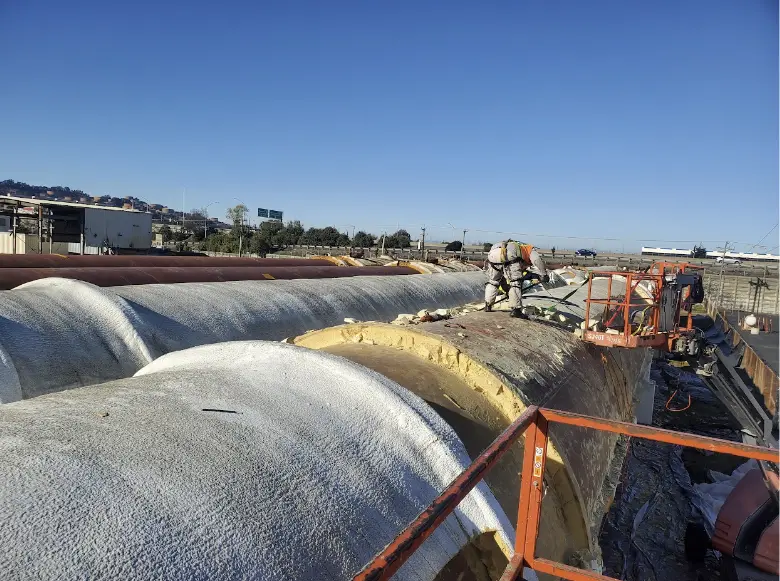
(241, 235)
(206, 221)
(244, 209)
(40, 229)
(383, 243)
(422, 244)
(463, 246)
(722, 269)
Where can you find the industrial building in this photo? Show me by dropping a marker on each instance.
(33, 226)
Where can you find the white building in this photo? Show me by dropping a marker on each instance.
(70, 227)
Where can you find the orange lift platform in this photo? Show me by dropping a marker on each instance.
(652, 309)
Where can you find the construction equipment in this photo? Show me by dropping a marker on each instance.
(747, 522)
(654, 309)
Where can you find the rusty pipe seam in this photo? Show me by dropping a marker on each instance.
(146, 261)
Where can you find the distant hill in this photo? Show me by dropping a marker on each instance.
(65, 194)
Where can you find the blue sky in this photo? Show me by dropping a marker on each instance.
(600, 119)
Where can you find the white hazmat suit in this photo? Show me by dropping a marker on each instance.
(511, 259)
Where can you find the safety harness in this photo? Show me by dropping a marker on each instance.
(524, 256)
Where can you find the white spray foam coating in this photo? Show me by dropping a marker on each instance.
(311, 477)
(193, 314)
(60, 333)
(63, 334)
(10, 388)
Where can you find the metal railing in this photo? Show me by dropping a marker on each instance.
(624, 305)
(534, 424)
(765, 379)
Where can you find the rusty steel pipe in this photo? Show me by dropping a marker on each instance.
(13, 277)
(146, 261)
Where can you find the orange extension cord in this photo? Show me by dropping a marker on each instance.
(671, 397)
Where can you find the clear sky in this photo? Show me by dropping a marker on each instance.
(634, 121)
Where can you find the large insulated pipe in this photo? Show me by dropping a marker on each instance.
(236, 461)
(479, 371)
(60, 333)
(118, 276)
(87, 261)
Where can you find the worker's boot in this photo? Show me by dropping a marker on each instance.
(488, 307)
(518, 314)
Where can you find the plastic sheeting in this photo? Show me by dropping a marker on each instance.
(710, 496)
(245, 460)
(644, 534)
(57, 333)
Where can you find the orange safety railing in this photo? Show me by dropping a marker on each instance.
(623, 305)
(534, 424)
(631, 334)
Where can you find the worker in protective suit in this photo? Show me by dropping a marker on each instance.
(513, 261)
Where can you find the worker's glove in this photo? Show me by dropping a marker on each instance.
(545, 279)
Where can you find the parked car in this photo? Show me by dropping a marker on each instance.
(585, 252)
(728, 260)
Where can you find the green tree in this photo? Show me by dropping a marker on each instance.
(237, 215)
(400, 239)
(455, 245)
(167, 233)
(258, 244)
(291, 234)
(487, 246)
(327, 236)
(363, 240)
(271, 233)
(195, 222)
(332, 237)
(279, 235)
(221, 242)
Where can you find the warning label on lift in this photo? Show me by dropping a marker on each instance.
(538, 462)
